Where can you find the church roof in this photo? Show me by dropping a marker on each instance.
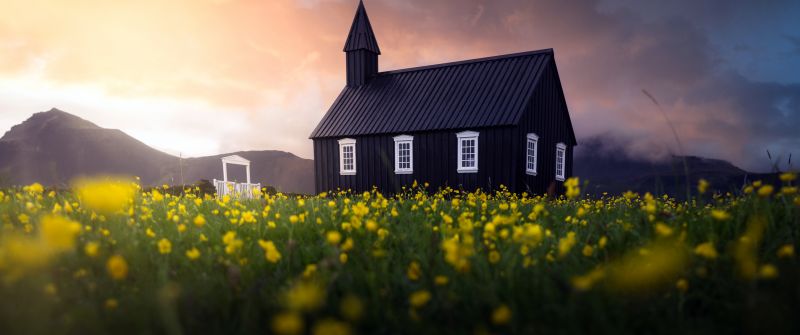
(483, 92)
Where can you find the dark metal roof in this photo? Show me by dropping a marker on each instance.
(476, 93)
(361, 35)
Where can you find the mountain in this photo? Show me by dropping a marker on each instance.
(608, 168)
(55, 147)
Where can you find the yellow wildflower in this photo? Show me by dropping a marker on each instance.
(786, 251)
(111, 303)
(305, 296)
(765, 191)
(663, 230)
(331, 327)
(768, 271)
(58, 233)
(702, 186)
(271, 253)
(287, 323)
(419, 299)
(92, 249)
(787, 177)
(588, 250)
(164, 246)
(682, 285)
(501, 315)
(333, 237)
(565, 244)
(117, 267)
(104, 195)
(494, 256)
(193, 253)
(720, 215)
(440, 280)
(706, 250)
(414, 271)
(199, 220)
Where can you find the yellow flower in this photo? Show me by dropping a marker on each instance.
(117, 267)
(573, 190)
(331, 327)
(58, 233)
(440, 280)
(587, 281)
(333, 237)
(789, 190)
(35, 188)
(150, 233)
(720, 215)
(682, 285)
(156, 195)
(287, 323)
(768, 271)
(305, 296)
(164, 246)
(193, 253)
(271, 253)
(104, 195)
(663, 230)
(419, 298)
(111, 303)
(786, 251)
(494, 256)
(702, 186)
(199, 220)
(602, 242)
(501, 315)
(565, 244)
(788, 177)
(588, 250)
(351, 308)
(343, 258)
(706, 250)
(765, 191)
(92, 249)
(414, 271)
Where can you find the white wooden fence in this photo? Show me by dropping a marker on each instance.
(232, 189)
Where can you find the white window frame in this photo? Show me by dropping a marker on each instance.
(561, 148)
(343, 143)
(403, 139)
(462, 136)
(532, 160)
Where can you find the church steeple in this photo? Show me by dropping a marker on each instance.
(362, 49)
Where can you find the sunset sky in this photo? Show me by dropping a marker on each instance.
(202, 77)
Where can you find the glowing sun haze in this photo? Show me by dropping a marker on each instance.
(202, 77)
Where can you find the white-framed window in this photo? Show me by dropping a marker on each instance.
(531, 154)
(561, 161)
(403, 154)
(347, 156)
(467, 152)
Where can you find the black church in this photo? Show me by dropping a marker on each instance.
(471, 124)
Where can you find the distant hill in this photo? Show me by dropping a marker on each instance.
(608, 168)
(54, 147)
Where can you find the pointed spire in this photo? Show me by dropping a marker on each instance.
(361, 35)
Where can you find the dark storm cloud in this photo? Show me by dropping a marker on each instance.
(608, 52)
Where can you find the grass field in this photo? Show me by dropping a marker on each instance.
(108, 257)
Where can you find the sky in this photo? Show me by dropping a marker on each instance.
(202, 77)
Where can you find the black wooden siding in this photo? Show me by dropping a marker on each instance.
(547, 117)
(435, 162)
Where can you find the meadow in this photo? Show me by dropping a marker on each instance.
(110, 257)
